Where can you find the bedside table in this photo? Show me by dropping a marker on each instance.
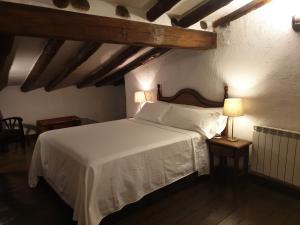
(222, 148)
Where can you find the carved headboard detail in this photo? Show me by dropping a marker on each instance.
(189, 96)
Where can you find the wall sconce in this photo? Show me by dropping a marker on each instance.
(296, 23)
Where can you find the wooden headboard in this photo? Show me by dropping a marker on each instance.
(189, 96)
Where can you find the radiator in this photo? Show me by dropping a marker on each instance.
(276, 154)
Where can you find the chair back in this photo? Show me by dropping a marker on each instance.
(13, 123)
(12, 131)
(1, 117)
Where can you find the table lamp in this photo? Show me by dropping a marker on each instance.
(233, 107)
(139, 97)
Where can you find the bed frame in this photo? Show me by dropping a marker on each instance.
(189, 96)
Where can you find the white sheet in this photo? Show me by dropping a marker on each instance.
(98, 169)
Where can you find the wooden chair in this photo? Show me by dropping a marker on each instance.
(11, 130)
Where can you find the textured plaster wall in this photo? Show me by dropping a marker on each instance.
(258, 56)
(100, 104)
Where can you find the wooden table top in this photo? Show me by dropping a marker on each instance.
(240, 143)
(57, 120)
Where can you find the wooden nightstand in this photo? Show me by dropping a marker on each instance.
(226, 149)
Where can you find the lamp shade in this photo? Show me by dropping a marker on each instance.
(139, 97)
(233, 107)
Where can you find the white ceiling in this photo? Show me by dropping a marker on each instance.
(27, 52)
(184, 6)
(181, 7)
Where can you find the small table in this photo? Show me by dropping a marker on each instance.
(221, 147)
(57, 123)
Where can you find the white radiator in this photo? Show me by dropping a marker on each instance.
(276, 154)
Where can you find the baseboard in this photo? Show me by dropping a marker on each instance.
(276, 184)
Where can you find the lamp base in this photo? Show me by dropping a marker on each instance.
(232, 139)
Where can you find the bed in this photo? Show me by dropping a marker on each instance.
(97, 169)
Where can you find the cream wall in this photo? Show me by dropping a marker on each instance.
(100, 104)
(258, 56)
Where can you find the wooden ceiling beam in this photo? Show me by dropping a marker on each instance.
(26, 20)
(296, 23)
(160, 8)
(108, 66)
(77, 4)
(255, 4)
(141, 60)
(82, 55)
(81, 4)
(50, 50)
(61, 3)
(200, 12)
(6, 48)
(119, 82)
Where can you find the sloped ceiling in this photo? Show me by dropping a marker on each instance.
(29, 49)
(182, 7)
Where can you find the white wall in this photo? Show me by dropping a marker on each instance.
(257, 56)
(100, 104)
(100, 8)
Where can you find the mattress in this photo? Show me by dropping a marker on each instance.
(97, 169)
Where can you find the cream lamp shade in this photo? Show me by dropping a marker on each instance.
(233, 107)
(139, 97)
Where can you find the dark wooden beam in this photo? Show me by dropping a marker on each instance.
(108, 66)
(122, 11)
(142, 60)
(36, 21)
(200, 12)
(61, 3)
(81, 4)
(296, 23)
(6, 47)
(160, 8)
(119, 82)
(50, 50)
(82, 55)
(223, 21)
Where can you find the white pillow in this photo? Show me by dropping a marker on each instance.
(206, 122)
(221, 120)
(217, 109)
(218, 112)
(153, 111)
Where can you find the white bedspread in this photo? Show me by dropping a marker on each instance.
(98, 169)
